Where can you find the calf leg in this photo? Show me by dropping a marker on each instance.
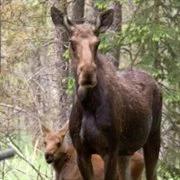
(85, 166)
(124, 169)
(151, 154)
(136, 166)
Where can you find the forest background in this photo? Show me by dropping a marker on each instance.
(36, 83)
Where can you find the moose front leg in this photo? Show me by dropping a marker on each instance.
(85, 166)
(111, 172)
(124, 169)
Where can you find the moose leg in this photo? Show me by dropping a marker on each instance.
(85, 166)
(151, 154)
(57, 176)
(124, 169)
(111, 167)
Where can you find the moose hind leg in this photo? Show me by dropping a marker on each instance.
(151, 154)
(85, 166)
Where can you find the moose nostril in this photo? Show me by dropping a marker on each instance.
(49, 158)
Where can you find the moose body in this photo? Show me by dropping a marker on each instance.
(114, 113)
(118, 117)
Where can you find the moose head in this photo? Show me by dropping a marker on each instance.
(84, 42)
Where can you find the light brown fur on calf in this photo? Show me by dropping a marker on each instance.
(136, 166)
(63, 157)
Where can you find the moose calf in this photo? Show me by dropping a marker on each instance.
(63, 157)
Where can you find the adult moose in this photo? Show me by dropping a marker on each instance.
(114, 114)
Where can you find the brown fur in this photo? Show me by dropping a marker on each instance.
(114, 114)
(65, 156)
(137, 166)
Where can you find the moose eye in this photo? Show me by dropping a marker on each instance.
(45, 143)
(58, 144)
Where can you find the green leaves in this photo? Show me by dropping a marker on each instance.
(101, 4)
(70, 85)
(66, 55)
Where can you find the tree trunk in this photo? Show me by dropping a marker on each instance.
(78, 10)
(89, 11)
(61, 68)
(116, 26)
(75, 10)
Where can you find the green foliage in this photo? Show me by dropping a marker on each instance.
(101, 4)
(154, 32)
(168, 172)
(27, 164)
(70, 85)
(66, 55)
(24, 28)
(106, 43)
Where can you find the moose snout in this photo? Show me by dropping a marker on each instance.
(87, 67)
(49, 158)
(87, 77)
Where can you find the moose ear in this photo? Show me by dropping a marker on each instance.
(64, 129)
(45, 130)
(104, 20)
(58, 18)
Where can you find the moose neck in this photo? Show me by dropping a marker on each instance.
(93, 97)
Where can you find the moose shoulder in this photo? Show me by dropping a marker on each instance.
(113, 114)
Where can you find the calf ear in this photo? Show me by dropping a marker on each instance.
(45, 130)
(58, 18)
(64, 129)
(104, 20)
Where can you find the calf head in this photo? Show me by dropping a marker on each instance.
(54, 143)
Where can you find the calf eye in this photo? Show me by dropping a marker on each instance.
(45, 143)
(72, 44)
